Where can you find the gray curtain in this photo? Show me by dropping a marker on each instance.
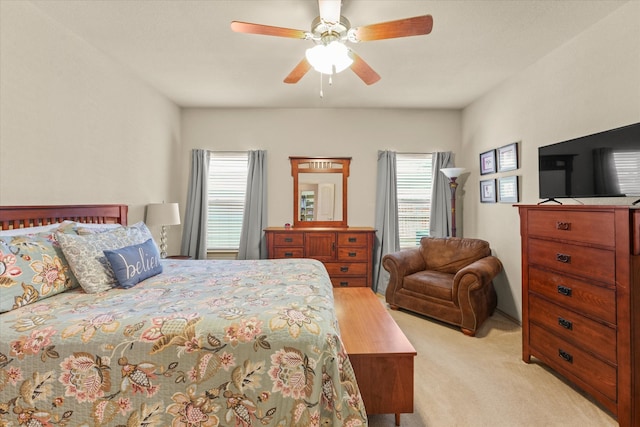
(194, 232)
(254, 221)
(386, 218)
(440, 222)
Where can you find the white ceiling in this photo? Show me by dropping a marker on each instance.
(187, 51)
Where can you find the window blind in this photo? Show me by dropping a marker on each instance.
(413, 181)
(226, 194)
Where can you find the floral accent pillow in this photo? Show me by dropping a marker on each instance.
(32, 267)
(86, 257)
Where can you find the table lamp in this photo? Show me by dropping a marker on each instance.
(163, 214)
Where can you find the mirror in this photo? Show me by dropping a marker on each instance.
(320, 191)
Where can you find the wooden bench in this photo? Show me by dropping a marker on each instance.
(381, 355)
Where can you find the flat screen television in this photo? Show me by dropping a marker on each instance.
(605, 164)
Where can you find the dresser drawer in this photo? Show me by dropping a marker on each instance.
(588, 262)
(584, 226)
(288, 239)
(348, 282)
(593, 300)
(288, 253)
(562, 355)
(352, 254)
(585, 333)
(352, 239)
(346, 268)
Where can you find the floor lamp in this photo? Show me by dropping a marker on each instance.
(453, 174)
(163, 214)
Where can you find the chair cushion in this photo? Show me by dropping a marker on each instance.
(449, 255)
(430, 283)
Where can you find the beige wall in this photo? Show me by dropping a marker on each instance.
(320, 132)
(75, 127)
(588, 85)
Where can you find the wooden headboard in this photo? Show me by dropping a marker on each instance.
(12, 217)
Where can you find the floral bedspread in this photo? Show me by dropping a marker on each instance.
(205, 343)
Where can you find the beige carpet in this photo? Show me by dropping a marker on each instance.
(482, 381)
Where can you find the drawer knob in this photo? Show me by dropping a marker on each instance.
(352, 254)
(564, 258)
(344, 284)
(288, 239)
(566, 356)
(344, 269)
(565, 226)
(352, 239)
(565, 323)
(563, 290)
(289, 254)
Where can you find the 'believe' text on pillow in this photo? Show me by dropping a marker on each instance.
(133, 264)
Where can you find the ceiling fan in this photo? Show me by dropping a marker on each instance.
(330, 31)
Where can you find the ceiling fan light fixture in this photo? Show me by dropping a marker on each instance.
(331, 58)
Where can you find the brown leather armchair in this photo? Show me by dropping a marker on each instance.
(449, 279)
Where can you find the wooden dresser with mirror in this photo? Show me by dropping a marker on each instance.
(320, 229)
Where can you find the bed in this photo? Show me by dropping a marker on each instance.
(202, 343)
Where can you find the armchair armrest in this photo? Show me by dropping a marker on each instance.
(400, 264)
(475, 276)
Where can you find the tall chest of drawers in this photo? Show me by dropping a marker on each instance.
(581, 302)
(347, 253)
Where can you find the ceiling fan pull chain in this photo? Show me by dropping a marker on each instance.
(321, 93)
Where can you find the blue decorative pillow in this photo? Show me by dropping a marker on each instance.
(133, 264)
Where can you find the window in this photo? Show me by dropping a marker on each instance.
(414, 178)
(226, 194)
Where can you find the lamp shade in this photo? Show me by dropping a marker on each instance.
(452, 172)
(163, 214)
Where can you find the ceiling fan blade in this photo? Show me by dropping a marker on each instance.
(416, 26)
(298, 72)
(363, 70)
(330, 10)
(267, 30)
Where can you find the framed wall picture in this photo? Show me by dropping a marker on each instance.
(508, 189)
(508, 157)
(488, 162)
(488, 191)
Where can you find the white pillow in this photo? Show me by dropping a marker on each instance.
(30, 230)
(96, 225)
(92, 228)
